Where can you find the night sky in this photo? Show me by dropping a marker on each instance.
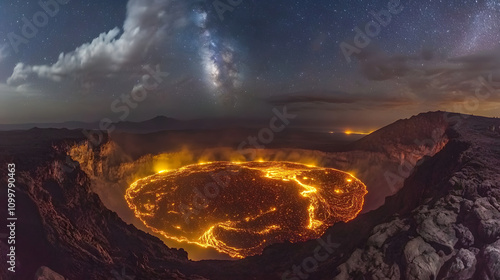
(239, 59)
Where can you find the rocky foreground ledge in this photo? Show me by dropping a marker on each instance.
(446, 221)
(443, 224)
(64, 231)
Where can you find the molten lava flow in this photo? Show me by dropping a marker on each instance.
(240, 208)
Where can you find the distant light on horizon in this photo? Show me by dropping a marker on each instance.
(351, 132)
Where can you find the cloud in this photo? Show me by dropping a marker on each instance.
(377, 66)
(310, 97)
(324, 99)
(397, 82)
(434, 79)
(148, 24)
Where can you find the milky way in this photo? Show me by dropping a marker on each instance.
(219, 59)
(482, 34)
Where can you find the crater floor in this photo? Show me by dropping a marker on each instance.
(240, 208)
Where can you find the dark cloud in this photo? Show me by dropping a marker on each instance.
(433, 79)
(323, 100)
(114, 53)
(377, 66)
(311, 97)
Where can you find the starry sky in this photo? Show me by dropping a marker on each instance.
(355, 63)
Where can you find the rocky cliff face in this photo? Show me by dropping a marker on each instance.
(451, 227)
(443, 223)
(64, 229)
(385, 158)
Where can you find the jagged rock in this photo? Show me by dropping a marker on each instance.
(368, 262)
(371, 261)
(450, 202)
(422, 260)
(493, 201)
(436, 225)
(466, 206)
(484, 210)
(491, 258)
(464, 235)
(382, 232)
(489, 230)
(462, 266)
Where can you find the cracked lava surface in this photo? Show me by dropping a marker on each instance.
(240, 208)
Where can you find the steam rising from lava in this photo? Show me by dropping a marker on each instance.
(240, 208)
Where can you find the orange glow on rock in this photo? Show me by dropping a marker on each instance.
(240, 208)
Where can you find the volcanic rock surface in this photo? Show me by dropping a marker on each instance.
(63, 226)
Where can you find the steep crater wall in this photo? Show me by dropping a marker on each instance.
(382, 160)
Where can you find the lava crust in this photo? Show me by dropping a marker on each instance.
(240, 208)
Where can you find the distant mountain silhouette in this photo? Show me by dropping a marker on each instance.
(159, 123)
(155, 124)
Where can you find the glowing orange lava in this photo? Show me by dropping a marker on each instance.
(240, 208)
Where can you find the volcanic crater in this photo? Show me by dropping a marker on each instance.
(199, 196)
(239, 208)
